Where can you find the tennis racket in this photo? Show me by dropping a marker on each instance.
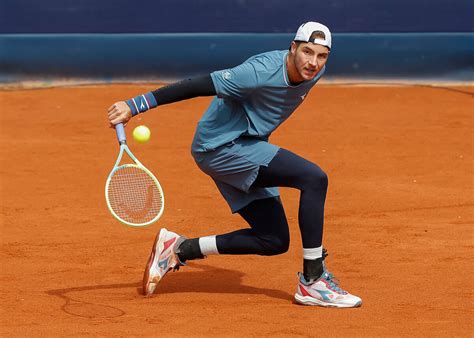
(133, 194)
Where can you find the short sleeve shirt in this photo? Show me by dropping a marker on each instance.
(252, 100)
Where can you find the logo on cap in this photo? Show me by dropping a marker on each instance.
(226, 75)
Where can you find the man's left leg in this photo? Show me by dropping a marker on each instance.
(268, 235)
(317, 286)
(290, 170)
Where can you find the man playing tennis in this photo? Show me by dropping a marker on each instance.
(231, 146)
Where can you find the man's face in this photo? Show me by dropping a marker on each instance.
(308, 59)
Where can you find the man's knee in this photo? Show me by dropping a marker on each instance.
(317, 179)
(275, 244)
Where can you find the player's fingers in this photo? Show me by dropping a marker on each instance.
(112, 117)
(113, 111)
(115, 121)
(116, 115)
(118, 118)
(112, 107)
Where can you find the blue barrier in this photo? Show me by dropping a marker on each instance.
(163, 57)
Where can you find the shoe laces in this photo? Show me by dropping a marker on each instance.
(330, 278)
(333, 282)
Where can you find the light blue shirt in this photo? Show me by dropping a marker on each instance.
(253, 99)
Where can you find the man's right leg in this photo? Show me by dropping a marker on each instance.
(268, 234)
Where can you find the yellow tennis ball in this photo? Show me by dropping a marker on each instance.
(141, 134)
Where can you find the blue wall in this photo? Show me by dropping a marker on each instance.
(217, 16)
(112, 57)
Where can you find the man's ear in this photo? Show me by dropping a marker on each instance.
(293, 47)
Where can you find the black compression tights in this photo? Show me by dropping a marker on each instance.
(269, 234)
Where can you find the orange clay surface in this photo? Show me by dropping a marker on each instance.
(399, 218)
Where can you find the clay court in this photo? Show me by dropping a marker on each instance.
(399, 218)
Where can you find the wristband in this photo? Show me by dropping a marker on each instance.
(142, 103)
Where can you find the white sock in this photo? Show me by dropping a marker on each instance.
(313, 253)
(208, 245)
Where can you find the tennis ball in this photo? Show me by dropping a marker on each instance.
(141, 134)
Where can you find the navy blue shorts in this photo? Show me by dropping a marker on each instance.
(234, 167)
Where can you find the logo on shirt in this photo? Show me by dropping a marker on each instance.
(226, 75)
(303, 96)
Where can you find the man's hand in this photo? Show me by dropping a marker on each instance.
(119, 112)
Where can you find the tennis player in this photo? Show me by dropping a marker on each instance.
(231, 146)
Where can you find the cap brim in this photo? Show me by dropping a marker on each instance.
(316, 41)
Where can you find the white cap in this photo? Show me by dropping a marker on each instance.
(306, 30)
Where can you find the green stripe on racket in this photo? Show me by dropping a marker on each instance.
(133, 194)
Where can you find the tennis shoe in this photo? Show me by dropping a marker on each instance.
(162, 259)
(324, 291)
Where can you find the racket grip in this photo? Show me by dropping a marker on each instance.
(120, 130)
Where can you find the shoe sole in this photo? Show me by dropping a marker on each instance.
(316, 302)
(151, 260)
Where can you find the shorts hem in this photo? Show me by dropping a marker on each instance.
(251, 179)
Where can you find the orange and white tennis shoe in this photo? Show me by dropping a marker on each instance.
(162, 259)
(324, 291)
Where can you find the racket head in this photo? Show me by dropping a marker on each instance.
(134, 196)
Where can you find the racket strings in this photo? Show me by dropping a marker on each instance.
(134, 195)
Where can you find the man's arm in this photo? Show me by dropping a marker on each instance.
(186, 89)
(123, 111)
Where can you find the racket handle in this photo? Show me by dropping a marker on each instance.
(120, 130)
